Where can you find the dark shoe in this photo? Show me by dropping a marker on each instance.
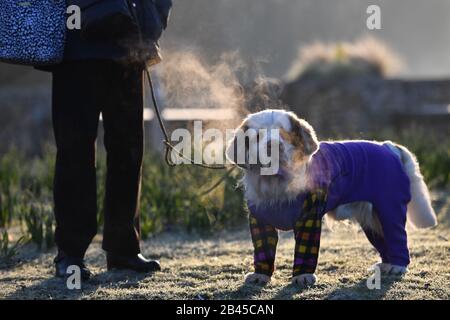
(136, 263)
(63, 261)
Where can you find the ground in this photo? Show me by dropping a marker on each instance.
(196, 267)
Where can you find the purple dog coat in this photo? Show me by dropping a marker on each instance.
(355, 171)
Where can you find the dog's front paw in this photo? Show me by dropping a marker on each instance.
(389, 269)
(256, 278)
(304, 280)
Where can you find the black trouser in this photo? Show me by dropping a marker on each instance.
(81, 91)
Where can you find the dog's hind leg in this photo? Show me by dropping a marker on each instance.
(385, 266)
(394, 248)
(378, 242)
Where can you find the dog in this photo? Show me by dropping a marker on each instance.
(377, 184)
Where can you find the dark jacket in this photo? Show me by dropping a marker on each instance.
(79, 49)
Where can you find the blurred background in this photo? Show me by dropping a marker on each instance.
(315, 57)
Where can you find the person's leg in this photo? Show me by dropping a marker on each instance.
(75, 121)
(124, 134)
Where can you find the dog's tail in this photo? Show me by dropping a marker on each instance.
(420, 211)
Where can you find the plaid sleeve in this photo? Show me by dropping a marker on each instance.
(265, 239)
(307, 233)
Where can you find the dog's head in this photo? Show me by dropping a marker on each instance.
(274, 139)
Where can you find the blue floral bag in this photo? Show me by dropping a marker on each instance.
(32, 32)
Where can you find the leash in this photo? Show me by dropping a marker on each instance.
(169, 147)
(166, 141)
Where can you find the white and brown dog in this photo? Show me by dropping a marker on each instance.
(376, 184)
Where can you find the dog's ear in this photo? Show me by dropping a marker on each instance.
(233, 150)
(305, 136)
